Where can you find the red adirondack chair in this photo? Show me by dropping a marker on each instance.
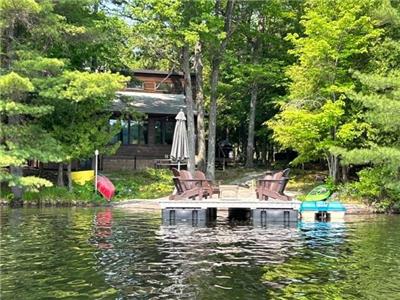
(187, 187)
(208, 185)
(273, 186)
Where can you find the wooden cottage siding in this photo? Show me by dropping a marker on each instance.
(160, 110)
(135, 157)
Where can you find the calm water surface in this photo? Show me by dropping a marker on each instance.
(114, 254)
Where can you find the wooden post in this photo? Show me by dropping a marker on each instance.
(96, 154)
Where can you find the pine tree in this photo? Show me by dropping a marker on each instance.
(42, 43)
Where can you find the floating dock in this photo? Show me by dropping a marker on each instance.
(332, 211)
(230, 203)
(240, 209)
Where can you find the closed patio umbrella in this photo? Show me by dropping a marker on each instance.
(179, 150)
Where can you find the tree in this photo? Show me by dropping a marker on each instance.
(336, 41)
(164, 34)
(252, 75)
(80, 118)
(21, 136)
(40, 42)
(380, 98)
(216, 60)
(201, 130)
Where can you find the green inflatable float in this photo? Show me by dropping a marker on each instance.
(319, 193)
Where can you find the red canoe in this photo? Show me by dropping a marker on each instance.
(105, 187)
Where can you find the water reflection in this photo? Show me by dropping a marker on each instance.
(115, 254)
(103, 228)
(322, 233)
(187, 260)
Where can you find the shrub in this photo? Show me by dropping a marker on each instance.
(378, 186)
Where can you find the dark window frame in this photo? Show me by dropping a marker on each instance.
(143, 137)
(135, 82)
(163, 131)
(168, 86)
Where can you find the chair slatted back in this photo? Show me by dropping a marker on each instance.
(275, 185)
(199, 175)
(186, 175)
(285, 177)
(266, 184)
(178, 185)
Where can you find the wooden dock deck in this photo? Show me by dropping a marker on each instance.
(226, 203)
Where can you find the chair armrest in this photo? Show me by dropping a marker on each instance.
(198, 182)
(273, 180)
(194, 180)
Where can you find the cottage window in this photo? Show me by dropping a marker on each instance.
(135, 84)
(125, 132)
(164, 86)
(169, 132)
(132, 132)
(116, 138)
(138, 132)
(164, 131)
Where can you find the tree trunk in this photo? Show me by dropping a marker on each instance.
(345, 171)
(212, 122)
(17, 191)
(334, 161)
(69, 170)
(16, 171)
(201, 134)
(189, 108)
(60, 175)
(252, 119)
(253, 98)
(333, 166)
(264, 153)
(216, 61)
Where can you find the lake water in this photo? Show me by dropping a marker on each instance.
(114, 254)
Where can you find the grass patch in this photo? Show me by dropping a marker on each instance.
(142, 184)
(55, 195)
(303, 181)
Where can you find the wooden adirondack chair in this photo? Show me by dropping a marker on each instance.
(273, 186)
(187, 187)
(208, 186)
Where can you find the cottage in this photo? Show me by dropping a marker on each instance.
(154, 97)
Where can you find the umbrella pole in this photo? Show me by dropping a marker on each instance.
(179, 165)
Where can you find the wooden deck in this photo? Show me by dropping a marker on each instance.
(227, 203)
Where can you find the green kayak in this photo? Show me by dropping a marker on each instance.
(318, 193)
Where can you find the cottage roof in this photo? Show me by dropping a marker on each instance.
(150, 103)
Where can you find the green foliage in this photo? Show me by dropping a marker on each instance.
(60, 195)
(308, 132)
(380, 99)
(337, 38)
(18, 134)
(52, 110)
(75, 86)
(14, 86)
(259, 63)
(341, 72)
(80, 119)
(146, 184)
(377, 186)
(337, 34)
